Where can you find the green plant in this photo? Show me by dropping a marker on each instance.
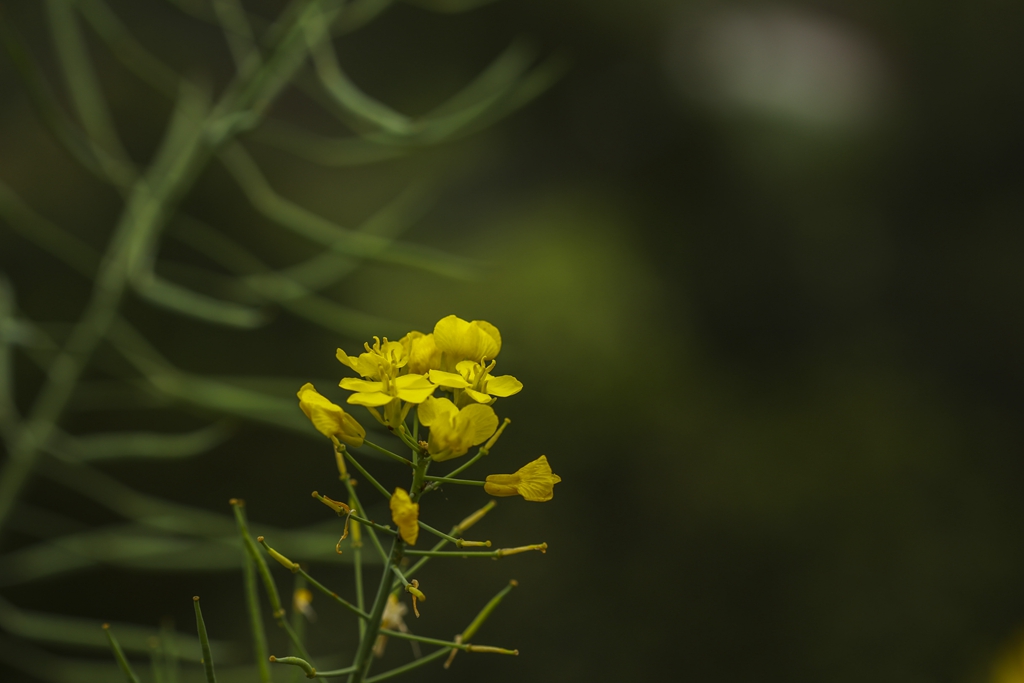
(104, 360)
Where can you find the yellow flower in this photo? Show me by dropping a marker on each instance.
(534, 481)
(460, 340)
(422, 351)
(383, 359)
(454, 431)
(474, 381)
(409, 388)
(328, 418)
(406, 515)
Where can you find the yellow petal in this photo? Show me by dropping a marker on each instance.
(405, 514)
(434, 408)
(476, 422)
(503, 386)
(363, 364)
(479, 396)
(422, 352)
(461, 340)
(328, 418)
(370, 399)
(361, 385)
(534, 481)
(413, 388)
(450, 380)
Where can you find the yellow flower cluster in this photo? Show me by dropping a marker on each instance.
(457, 357)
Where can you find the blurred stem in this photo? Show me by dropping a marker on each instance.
(376, 614)
(259, 636)
(188, 144)
(119, 656)
(204, 639)
(273, 596)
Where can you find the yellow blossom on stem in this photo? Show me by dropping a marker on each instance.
(409, 388)
(406, 515)
(474, 381)
(422, 351)
(454, 431)
(461, 340)
(329, 418)
(534, 481)
(380, 360)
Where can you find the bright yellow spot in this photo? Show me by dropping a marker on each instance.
(329, 418)
(406, 515)
(534, 481)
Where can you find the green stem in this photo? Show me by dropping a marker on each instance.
(359, 506)
(362, 470)
(439, 534)
(421, 639)
(358, 611)
(335, 672)
(268, 580)
(119, 656)
(384, 451)
(259, 636)
(419, 473)
(469, 463)
(376, 614)
(296, 661)
(437, 654)
(449, 480)
(380, 527)
(205, 642)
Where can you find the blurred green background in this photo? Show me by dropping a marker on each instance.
(759, 267)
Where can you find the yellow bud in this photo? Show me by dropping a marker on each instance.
(406, 515)
(329, 418)
(285, 562)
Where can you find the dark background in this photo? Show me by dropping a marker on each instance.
(759, 269)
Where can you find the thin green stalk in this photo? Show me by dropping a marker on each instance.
(273, 596)
(335, 672)
(379, 527)
(384, 451)
(449, 480)
(481, 452)
(259, 636)
(298, 620)
(500, 552)
(437, 654)
(439, 534)
(376, 614)
(357, 562)
(422, 639)
(119, 656)
(358, 611)
(205, 640)
(359, 506)
(362, 470)
(296, 661)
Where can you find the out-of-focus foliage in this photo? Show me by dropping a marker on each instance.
(765, 265)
